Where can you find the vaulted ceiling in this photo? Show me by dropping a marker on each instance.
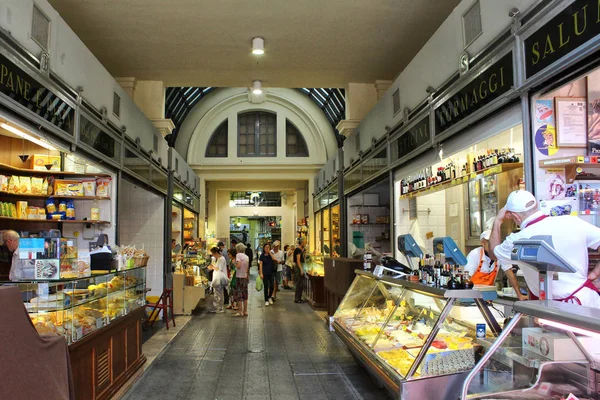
(206, 43)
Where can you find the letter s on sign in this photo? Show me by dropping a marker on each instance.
(535, 50)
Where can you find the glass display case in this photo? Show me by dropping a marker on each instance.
(549, 350)
(414, 338)
(74, 308)
(313, 265)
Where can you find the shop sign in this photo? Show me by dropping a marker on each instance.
(22, 88)
(571, 28)
(414, 138)
(96, 138)
(489, 85)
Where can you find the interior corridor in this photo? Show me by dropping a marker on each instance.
(280, 352)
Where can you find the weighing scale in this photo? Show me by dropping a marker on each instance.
(409, 248)
(447, 247)
(538, 253)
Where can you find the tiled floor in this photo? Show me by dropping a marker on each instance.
(280, 352)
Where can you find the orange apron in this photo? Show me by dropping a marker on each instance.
(483, 278)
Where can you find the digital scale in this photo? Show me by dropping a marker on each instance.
(409, 248)
(538, 252)
(447, 246)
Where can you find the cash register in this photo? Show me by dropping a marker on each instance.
(538, 253)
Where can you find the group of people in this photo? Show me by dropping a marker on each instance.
(276, 267)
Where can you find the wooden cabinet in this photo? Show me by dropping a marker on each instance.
(339, 274)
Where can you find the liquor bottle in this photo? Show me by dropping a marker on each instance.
(495, 157)
(468, 283)
(453, 283)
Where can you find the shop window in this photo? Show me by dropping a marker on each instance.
(396, 101)
(257, 134)
(295, 145)
(472, 24)
(217, 145)
(40, 28)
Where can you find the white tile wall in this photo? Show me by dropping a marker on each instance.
(141, 223)
(433, 222)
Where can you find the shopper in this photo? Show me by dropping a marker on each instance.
(242, 265)
(11, 241)
(278, 257)
(232, 274)
(287, 264)
(299, 270)
(266, 270)
(571, 238)
(219, 280)
(250, 254)
(226, 257)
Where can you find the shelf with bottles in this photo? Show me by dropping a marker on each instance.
(496, 169)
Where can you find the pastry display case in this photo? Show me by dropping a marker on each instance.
(190, 283)
(314, 287)
(549, 350)
(414, 338)
(75, 308)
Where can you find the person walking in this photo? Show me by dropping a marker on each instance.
(240, 293)
(278, 257)
(232, 274)
(299, 270)
(221, 246)
(250, 254)
(287, 266)
(266, 270)
(219, 269)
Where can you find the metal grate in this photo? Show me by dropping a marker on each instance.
(472, 24)
(179, 101)
(40, 28)
(396, 101)
(331, 101)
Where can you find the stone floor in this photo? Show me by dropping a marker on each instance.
(279, 352)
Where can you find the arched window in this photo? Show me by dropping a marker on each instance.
(257, 134)
(295, 145)
(217, 145)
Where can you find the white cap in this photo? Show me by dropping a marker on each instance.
(485, 235)
(520, 201)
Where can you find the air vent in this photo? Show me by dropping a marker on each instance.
(116, 105)
(177, 164)
(396, 101)
(102, 368)
(40, 28)
(472, 24)
(155, 143)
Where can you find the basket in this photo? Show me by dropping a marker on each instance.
(140, 261)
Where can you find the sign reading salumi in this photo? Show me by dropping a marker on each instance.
(490, 84)
(22, 88)
(571, 28)
(414, 138)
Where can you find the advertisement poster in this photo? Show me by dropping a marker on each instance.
(571, 123)
(545, 140)
(593, 110)
(555, 184)
(544, 111)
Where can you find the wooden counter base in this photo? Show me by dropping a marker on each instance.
(103, 361)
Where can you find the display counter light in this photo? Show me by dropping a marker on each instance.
(568, 328)
(27, 136)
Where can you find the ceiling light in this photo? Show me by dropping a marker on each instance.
(258, 46)
(257, 87)
(24, 135)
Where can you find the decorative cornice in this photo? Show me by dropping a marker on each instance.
(381, 87)
(163, 126)
(347, 127)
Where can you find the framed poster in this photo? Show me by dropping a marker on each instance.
(571, 121)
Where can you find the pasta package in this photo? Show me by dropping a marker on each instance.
(24, 184)
(21, 209)
(68, 188)
(103, 187)
(13, 184)
(3, 183)
(89, 188)
(37, 186)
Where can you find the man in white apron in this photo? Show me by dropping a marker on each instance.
(571, 237)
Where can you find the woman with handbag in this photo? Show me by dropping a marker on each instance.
(240, 293)
(219, 281)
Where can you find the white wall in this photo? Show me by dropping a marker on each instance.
(75, 64)
(141, 223)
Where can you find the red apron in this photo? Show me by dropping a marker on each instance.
(484, 278)
(571, 298)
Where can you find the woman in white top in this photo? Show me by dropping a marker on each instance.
(219, 279)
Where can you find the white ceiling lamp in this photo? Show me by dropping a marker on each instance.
(24, 135)
(257, 87)
(258, 46)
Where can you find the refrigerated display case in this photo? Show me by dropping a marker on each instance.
(549, 350)
(413, 338)
(314, 285)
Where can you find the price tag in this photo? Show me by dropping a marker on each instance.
(99, 323)
(43, 290)
(78, 333)
(465, 179)
(431, 315)
(403, 303)
(494, 170)
(473, 175)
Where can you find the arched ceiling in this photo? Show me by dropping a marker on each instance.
(179, 101)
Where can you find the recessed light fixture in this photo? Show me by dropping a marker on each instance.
(257, 87)
(258, 46)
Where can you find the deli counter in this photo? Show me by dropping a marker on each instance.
(414, 338)
(100, 317)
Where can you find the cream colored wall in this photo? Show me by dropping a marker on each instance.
(150, 98)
